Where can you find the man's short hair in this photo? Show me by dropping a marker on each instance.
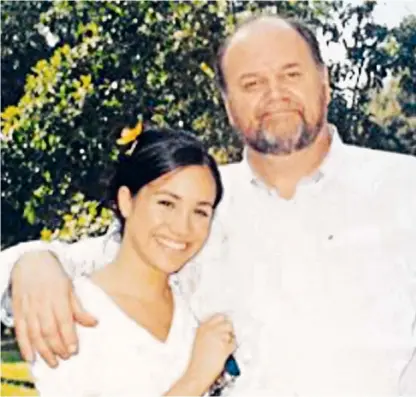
(303, 29)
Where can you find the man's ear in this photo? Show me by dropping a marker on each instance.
(228, 109)
(327, 86)
(125, 201)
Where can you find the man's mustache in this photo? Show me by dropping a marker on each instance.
(276, 108)
(272, 112)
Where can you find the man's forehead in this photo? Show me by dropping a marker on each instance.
(261, 42)
(254, 29)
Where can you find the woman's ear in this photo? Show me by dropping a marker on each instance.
(125, 201)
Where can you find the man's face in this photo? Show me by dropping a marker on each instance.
(276, 94)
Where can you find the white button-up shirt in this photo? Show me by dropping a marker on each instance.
(322, 287)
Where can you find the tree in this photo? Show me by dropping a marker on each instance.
(405, 64)
(21, 45)
(118, 62)
(392, 109)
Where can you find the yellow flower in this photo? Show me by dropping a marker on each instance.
(65, 50)
(220, 155)
(45, 234)
(86, 80)
(91, 27)
(56, 59)
(8, 127)
(65, 233)
(83, 220)
(68, 218)
(40, 66)
(130, 134)
(181, 34)
(207, 70)
(10, 112)
(31, 82)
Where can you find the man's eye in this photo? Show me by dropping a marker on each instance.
(166, 203)
(249, 85)
(293, 75)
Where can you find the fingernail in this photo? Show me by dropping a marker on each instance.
(72, 349)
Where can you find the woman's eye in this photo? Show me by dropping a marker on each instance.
(166, 203)
(202, 213)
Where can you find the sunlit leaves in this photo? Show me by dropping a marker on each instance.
(114, 62)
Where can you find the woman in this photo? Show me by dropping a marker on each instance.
(147, 341)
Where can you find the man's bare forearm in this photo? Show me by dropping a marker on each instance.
(76, 258)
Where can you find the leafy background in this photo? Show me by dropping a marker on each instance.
(105, 64)
(74, 73)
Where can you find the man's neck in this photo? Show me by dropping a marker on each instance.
(284, 172)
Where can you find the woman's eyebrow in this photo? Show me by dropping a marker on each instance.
(176, 197)
(166, 192)
(206, 203)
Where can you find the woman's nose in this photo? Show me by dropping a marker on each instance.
(180, 223)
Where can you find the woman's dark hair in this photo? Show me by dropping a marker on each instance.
(156, 153)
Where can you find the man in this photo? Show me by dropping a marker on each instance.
(312, 251)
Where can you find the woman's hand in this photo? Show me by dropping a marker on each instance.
(214, 342)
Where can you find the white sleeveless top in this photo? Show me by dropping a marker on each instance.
(118, 357)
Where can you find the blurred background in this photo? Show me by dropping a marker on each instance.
(74, 73)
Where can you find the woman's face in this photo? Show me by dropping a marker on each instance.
(169, 219)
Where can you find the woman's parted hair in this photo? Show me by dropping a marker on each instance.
(157, 152)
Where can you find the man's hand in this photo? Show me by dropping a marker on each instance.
(45, 308)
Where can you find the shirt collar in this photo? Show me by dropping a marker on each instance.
(330, 165)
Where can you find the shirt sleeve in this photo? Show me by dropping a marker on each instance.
(407, 218)
(81, 257)
(408, 378)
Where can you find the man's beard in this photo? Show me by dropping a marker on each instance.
(264, 142)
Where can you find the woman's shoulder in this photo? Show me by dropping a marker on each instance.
(84, 287)
(91, 297)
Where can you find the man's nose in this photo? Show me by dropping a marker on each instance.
(276, 88)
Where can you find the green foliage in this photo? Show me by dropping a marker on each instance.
(21, 45)
(12, 356)
(405, 64)
(115, 62)
(393, 110)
